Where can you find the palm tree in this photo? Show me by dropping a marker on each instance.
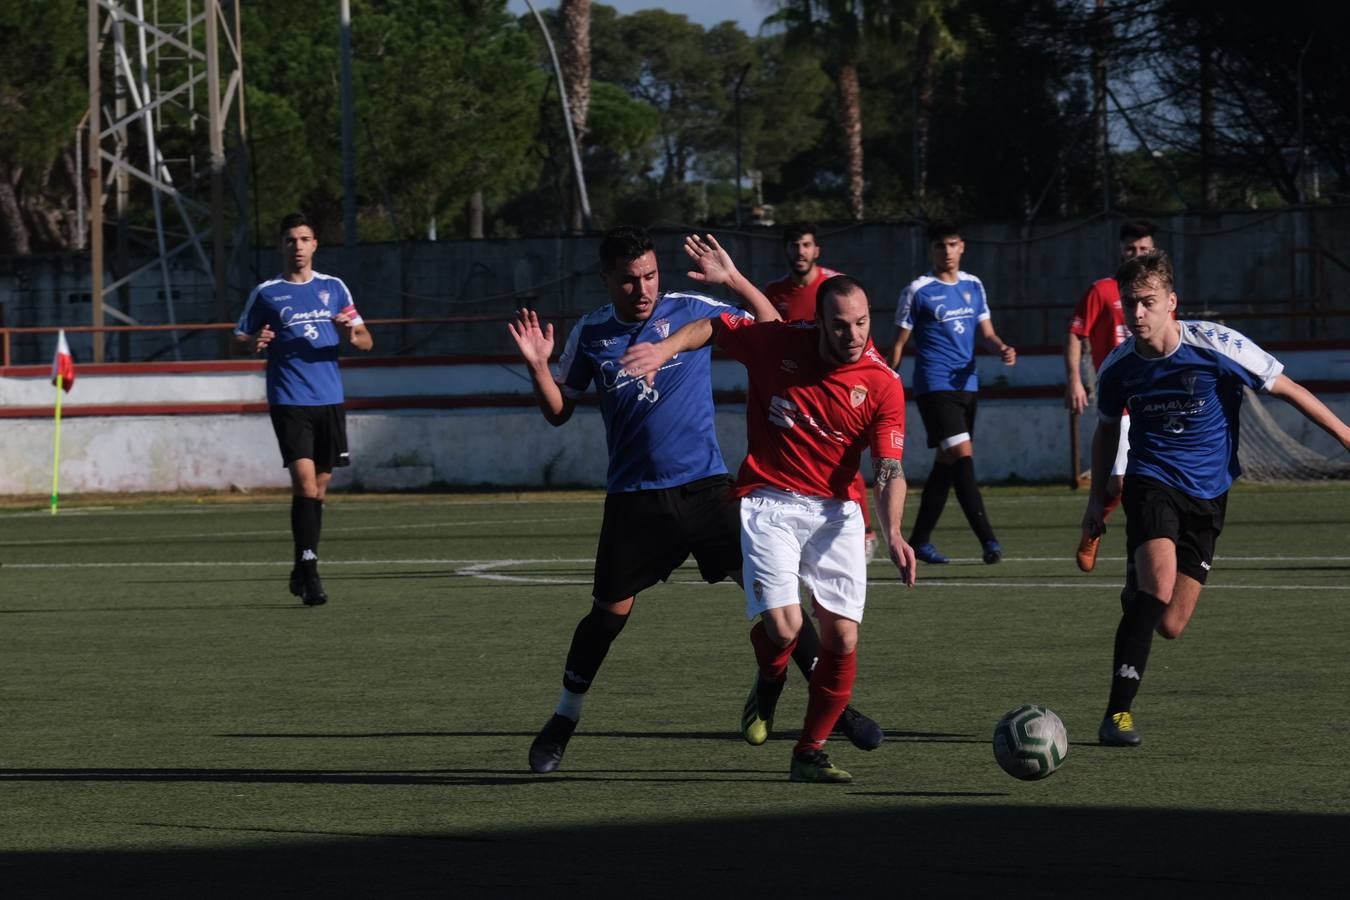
(834, 28)
(575, 18)
(933, 41)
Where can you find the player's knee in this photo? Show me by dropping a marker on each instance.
(782, 630)
(610, 618)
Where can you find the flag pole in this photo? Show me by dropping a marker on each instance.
(56, 445)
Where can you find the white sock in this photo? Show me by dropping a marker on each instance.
(569, 705)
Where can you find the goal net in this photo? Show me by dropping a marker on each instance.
(1268, 453)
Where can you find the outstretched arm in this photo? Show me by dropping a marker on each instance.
(889, 489)
(713, 265)
(644, 360)
(536, 346)
(1306, 402)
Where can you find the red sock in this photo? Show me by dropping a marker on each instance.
(831, 688)
(773, 660)
(1111, 503)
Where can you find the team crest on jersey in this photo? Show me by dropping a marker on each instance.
(967, 295)
(857, 395)
(662, 327)
(323, 297)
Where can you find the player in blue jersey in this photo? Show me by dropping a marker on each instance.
(668, 490)
(947, 315)
(300, 319)
(1182, 382)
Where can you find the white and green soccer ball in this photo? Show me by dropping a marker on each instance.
(1030, 742)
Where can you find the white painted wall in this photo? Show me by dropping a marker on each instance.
(1022, 439)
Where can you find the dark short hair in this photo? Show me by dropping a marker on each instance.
(795, 232)
(1134, 229)
(1144, 268)
(939, 230)
(833, 288)
(623, 244)
(294, 220)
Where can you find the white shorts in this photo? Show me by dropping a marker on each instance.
(1123, 448)
(788, 540)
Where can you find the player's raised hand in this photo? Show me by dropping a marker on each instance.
(713, 264)
(264, 337)
(535, 343)
(644, 360)
(902, 554)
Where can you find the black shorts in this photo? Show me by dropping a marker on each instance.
(1155, 510)
(946, 414)
(647, 535)
(312, 432)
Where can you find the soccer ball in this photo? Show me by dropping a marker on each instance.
(1030, 742)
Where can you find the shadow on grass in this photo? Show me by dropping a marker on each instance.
(935, 737)
(900, 850)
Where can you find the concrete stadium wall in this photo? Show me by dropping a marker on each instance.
(510, 445)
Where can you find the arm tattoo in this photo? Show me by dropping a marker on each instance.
(885, 469)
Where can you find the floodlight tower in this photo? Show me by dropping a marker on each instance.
(165, 64)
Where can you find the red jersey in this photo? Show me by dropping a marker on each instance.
(794, 302)
(1100, 319)
(807, 423)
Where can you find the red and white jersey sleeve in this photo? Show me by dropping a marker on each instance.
(807, 423)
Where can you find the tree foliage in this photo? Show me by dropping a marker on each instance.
(899, 108)
(43, 95)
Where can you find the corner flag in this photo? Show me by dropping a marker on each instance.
(63, 364)
(63, 376)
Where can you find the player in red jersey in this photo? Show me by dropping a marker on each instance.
(1099, 319)
(819, 394)
(794, 297)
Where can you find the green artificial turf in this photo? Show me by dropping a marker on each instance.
(173, 723)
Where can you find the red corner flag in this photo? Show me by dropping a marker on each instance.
(63, 364)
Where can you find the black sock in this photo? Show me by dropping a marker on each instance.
(930, 505)
(1134, 639)
(808, 647)
(968, 495)
(590, 644)
(305, 533)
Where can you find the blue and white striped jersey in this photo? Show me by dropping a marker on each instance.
(945, 321)
(302, 360)
(1184, 406)
(660, 435)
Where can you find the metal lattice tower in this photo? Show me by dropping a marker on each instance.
(176, 67)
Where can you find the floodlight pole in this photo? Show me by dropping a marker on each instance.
(349, 235)
(567, 117)
(95, 188)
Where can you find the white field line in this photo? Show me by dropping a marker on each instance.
(213, 508)
(487, 570)
(329, 530)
